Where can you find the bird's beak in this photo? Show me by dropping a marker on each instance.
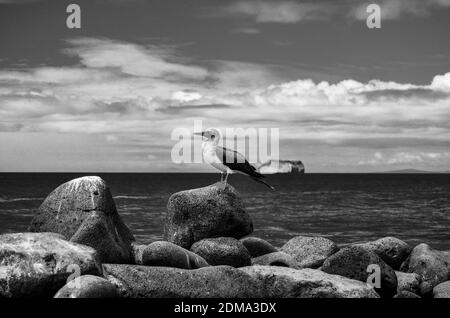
(199, 133)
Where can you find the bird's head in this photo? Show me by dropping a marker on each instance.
(211, 134)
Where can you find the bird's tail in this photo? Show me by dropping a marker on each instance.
(260, 178)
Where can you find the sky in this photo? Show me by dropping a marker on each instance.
(107, 97)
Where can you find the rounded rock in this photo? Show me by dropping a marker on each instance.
(429, 264)
(391, 250)
(163, 253)
(212, 211)
(38, 264)
(257, 247)
(309, 252)
(135, 281)
(83, 210)
(357, 263)
(222, 251)
(281, 282)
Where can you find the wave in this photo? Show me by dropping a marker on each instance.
(4, 200)
(133, 197)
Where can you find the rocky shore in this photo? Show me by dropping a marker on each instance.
(79, 247)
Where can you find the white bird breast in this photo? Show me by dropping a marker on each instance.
(210, 156)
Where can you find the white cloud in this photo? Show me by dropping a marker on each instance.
(132, 59)
(186, 97)
(441, 82)
(275, 11)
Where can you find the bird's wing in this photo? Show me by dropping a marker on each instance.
(235, 161)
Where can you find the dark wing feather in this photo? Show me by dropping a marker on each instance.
(237, 162)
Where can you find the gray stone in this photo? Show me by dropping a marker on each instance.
(408, 282)
(406, 294)
(353, 262)
(38, 264)
(83, 210)
(442, 290)
(391, 250)
(257, 247)
(429, 264)
(309, 252)
(88, 286)
(212, 211)
(275, 259)
(162, 253)
(222, 251)
(134, 281)
(282, 282)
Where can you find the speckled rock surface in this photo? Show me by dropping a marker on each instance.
(136, 281)
(162, 253)
(391, 250)
(257, 246)
(212, 211)
(38, 264)
(353, 262)
(83, 210)
(282, 282)
(222, 251)
(309, 252)
(429, 264)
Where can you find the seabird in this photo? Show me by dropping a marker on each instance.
(225, 160)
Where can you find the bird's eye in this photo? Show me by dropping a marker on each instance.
(212, 136)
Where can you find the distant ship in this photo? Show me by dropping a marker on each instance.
(282, 166)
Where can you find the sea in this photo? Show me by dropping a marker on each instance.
(347, 208)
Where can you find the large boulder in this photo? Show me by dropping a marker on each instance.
(88, 286)
(309, 252)
(212, 211)
(275, 259)
(134, 281)
(162, 253)
(357, 263)
(429, 264)
(83, 210)
(38, 264)
(222, 251)
(391, 250)
(408, 282)
(442, 290)
(257, 247)
(282, 282)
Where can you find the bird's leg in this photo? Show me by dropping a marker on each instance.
(221, 176)
(226, 179)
